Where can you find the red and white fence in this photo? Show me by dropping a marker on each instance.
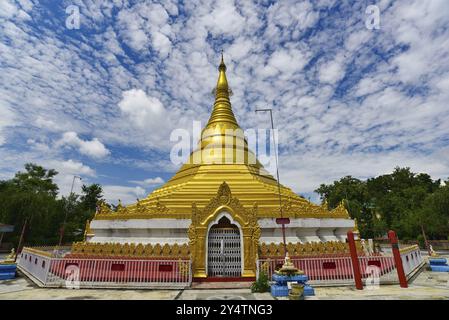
(328, 270)
(381, 267)
(51, 269)
(338, 270)
(104, 273)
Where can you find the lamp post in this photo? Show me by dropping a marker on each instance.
(283, 221)
(66, 212)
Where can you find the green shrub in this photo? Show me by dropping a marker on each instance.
(261, 284)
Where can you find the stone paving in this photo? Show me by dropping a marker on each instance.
(427, 285)
(23, 289)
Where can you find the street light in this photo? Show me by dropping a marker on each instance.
(66, 212)
(283, 221)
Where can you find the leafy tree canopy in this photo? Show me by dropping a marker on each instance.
(32, 196)
(403, 201)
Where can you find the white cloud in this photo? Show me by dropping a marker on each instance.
(146, 119)
(288, 61)
(93, 148)
(143, 110)
(7, 9)
(224, 19)
(394, 94)
(7, 119)
(332, 71)
(127, 195)
(145, 24)
(38, 145)
(149, 181)
(66, 170)
(72, 167)
(161, 43)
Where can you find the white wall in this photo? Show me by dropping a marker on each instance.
(175, 230)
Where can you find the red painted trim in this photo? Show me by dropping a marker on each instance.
(397, 258)
(355, 261)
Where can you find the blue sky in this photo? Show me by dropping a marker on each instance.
(100, 101)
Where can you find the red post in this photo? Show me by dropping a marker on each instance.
(397, 258)
(355, 261)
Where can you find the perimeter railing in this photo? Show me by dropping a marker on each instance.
(411, 259)
(320, 270)
(338, 270)
(50, 271)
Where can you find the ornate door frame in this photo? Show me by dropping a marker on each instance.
(211, 224)
(202, 219)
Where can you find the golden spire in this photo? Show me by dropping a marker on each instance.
(222, 112)
(222, 141)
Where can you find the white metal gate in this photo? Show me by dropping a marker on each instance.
(224, 253)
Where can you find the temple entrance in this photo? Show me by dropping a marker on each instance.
(224, 256)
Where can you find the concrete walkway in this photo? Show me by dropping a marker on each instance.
(427, 285)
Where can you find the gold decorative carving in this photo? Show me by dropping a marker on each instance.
(305, 209)
(87, 231)
(166, 249)
(103, 208)
(174, 250)
(140, 210)
(131, 250)
(183, 268)
(265, 267)
(303, 249)
(184, 250)
(148, 250)
(201, 219)
(290, 248)
(154, 208)
(340, 210)
(263, 249)
(139, 250)
(157, 249)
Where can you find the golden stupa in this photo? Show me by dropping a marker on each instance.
(249, 181)
(208, 187)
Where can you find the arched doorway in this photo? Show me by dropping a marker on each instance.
(224, 254)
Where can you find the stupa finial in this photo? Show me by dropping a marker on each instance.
(222, 111)
(222, 64)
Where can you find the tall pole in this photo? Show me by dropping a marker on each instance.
(426, 243)
(397, 258)
(61, 235)
(22, 234)
(355, 261)
(277, 176)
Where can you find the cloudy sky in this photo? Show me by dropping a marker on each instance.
(100, 100)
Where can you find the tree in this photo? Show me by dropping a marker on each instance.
(397, 196)
(91, 195)
(403, 201)
(356, 200)
(81, 209)
(31, 196)
(36, 179)
(433, 216)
